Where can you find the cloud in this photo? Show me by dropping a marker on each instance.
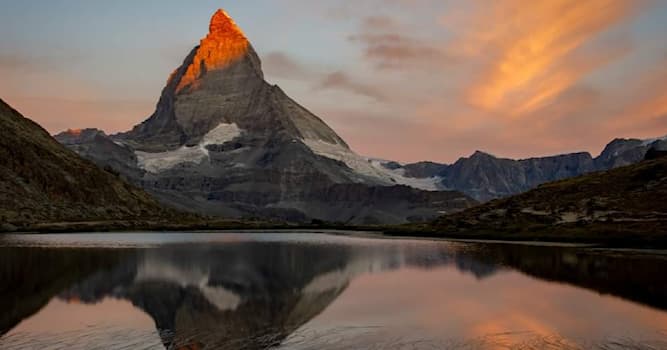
(387, 46)
(341, 81)
(281, 65)
(380, 23)
(561, 77)
(512, 77)
(407, 79)
(396, 51)
(530, 47)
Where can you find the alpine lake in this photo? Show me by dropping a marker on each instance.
(327, 290)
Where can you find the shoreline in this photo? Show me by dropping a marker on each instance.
(617, 244)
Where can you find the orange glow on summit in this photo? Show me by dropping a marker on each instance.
(224, 45)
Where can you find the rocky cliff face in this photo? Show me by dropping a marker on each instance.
(621, 152)
(223, 141)
(486, 177)
(42, 181)
(95, 145)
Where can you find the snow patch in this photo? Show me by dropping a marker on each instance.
(153, 268)
(398, 176)
(221, 298)
(157, 162)
(341, 153)
(221, 134)
(371, 167)
(334, 280)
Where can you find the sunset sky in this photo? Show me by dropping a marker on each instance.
(406, 80)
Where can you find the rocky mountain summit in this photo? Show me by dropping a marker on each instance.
(223, 141)
(42, 181)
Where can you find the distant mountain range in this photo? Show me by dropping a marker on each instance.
(42, 181)
(484, 177)
(222, 141)
(625, 203)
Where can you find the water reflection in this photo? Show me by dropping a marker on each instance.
(256, 293)
(248, 294)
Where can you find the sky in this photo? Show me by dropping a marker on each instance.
(405, 80)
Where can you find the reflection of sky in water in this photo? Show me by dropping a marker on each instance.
(144, 240)
(445, 302)
(357, 292)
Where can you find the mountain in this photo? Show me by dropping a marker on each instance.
(621, 152)
(96, 146)
(223, 141)
(485, 177)
(623, 202)
(42, 181)
(221, 296)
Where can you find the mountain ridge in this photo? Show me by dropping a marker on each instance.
(221, 133)
(42, 181)
(485, 177)
(222, 141)
(621, 203)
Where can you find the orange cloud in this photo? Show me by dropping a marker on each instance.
(514, 78)
(562, 77)
(531, 45)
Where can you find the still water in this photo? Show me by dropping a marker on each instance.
(318, 291)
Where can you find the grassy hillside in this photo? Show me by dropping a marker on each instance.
(622, 204)
(42, 181)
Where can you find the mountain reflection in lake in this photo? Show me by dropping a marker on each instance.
(309, 291)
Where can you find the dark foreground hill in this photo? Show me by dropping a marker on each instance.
(42, 181)
(621, 204)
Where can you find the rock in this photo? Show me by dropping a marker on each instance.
(222, 141)
(621, 152)
(484, 177)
